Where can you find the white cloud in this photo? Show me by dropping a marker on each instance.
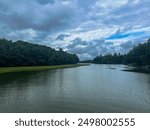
(110, 4)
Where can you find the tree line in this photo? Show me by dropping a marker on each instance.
(22, 53)
(109, 59)
(139, 55)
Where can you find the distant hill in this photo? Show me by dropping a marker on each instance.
(22, 53)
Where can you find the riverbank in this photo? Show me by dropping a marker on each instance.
(139, 69)
(4, 70)
(134, 68)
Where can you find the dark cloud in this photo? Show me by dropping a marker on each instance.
(62, 36)
(40, 15)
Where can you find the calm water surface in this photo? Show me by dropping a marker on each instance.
(94, 88)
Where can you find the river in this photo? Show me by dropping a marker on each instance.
(93, 88)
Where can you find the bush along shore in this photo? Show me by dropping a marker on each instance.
(138, 58)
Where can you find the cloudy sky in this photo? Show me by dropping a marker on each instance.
(85, 27)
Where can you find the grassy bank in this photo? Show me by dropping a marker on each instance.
(4, 70)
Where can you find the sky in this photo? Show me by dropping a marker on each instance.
(85, 27)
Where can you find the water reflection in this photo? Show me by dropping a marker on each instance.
(95, 88)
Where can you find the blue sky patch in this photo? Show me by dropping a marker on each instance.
(124, 35)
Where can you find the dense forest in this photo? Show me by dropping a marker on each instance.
(22, 53)
(109, 59)
(139, 55)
